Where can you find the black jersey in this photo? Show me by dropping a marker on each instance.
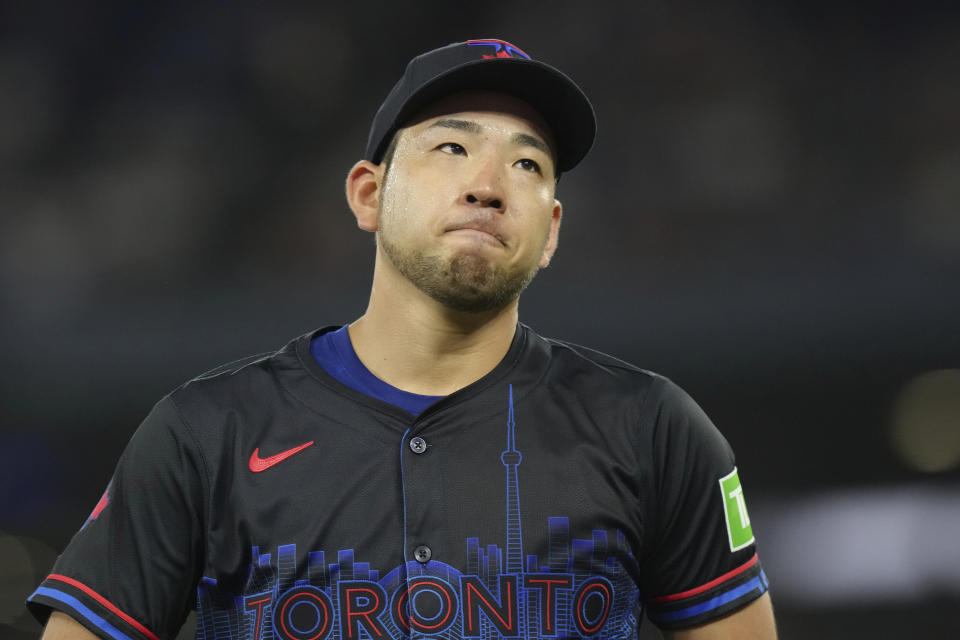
(564, 494)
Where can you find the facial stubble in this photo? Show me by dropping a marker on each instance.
(467, 281)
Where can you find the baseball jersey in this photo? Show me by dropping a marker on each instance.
(564, 494)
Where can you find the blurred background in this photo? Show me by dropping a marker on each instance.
(770, 216)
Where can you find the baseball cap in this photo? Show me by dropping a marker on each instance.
(492, 65)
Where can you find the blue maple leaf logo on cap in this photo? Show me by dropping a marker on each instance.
(501, 49)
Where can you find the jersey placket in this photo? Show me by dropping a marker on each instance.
(425, 547)
(422, 495)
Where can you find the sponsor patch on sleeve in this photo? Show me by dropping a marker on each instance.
(739, 531)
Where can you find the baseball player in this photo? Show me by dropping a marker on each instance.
(436, 469)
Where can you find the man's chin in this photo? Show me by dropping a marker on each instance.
(471, 284)
(467, 281)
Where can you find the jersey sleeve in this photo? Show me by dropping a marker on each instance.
(131, 570)
(701, 562)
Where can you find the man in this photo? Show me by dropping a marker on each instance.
(435, 469)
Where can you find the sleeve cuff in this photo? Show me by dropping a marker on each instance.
(87, 607)
(711, 600)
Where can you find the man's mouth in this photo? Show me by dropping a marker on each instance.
(481, 229)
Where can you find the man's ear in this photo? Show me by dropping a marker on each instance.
(363, 193)
(554, 236)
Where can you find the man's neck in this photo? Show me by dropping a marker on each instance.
(415, 343)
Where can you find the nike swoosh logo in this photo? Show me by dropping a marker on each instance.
(258, 464)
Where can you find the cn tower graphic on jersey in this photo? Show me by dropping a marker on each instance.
(511, 459)
(568, 588)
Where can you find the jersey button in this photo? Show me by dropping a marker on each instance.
(418, 445)
(422, 554)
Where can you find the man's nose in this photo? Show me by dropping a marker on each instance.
(484, 190)
(482, 199)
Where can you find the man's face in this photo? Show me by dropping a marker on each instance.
(467, 210)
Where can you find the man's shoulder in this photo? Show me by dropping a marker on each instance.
(575, 353)
(569, 358)
(246, 379)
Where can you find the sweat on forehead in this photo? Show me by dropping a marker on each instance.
(454, 112)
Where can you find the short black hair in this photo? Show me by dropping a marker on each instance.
(389, 153)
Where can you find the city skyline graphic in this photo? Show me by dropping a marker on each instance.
(580, 589)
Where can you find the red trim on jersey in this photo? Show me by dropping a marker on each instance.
(101, 505)
(692, 592)
(109, 605)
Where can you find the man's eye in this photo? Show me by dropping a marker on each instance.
(452, 147)
(528, 165)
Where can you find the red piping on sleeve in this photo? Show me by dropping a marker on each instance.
(692, 592)
(109, 605)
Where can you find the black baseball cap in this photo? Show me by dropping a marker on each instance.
(492, 65)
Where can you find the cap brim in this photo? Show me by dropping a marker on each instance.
(550, 92)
